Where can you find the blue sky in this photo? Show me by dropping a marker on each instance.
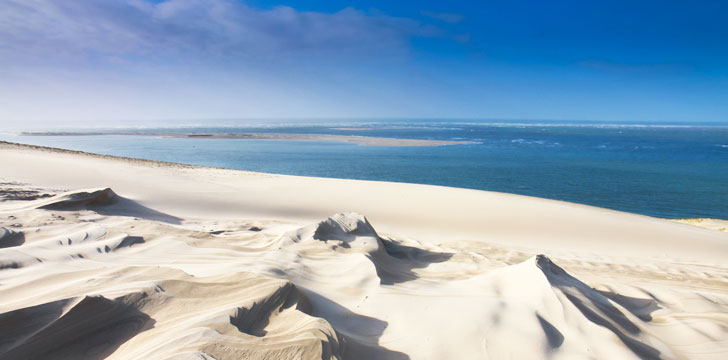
(114, 62)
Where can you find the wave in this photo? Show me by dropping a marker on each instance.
(535, 142)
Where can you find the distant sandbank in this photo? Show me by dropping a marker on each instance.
(363, 140)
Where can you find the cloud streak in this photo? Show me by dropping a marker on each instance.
(48, 31)
(442, 16)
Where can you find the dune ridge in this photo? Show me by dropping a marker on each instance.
(132, 280)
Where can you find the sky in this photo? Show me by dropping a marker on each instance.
(112, 62)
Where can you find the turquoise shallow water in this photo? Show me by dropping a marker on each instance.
(671, 171)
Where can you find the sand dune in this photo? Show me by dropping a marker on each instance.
(163, 265)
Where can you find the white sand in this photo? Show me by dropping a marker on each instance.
(714, 224)
(198, 262)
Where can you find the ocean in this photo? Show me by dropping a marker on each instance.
(662, 170)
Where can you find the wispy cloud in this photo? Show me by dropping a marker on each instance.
(443, 16)
(49, 30)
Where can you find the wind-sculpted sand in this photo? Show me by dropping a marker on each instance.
(168, 261)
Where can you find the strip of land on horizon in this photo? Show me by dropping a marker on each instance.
(363, 140)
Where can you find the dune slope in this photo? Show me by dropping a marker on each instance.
(105, 273)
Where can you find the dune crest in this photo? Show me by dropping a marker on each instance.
(79, 199)
(346, 230)
(566, 309)
(599, 309)
(272, 323)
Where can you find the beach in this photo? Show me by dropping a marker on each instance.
(136, 259)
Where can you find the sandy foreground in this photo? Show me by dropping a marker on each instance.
(130, 259)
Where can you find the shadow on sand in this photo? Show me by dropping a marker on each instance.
(105, 202)
(9, 238)
(360, 334)
(93, 328)
(596, 307)
(403, 259)
(131, 208)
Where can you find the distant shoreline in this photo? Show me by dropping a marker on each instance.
(362, 140)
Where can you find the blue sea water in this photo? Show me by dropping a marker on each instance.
(671, 171)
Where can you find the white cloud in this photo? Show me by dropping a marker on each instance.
(49, 31)
(64, 61)
(442, 16)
